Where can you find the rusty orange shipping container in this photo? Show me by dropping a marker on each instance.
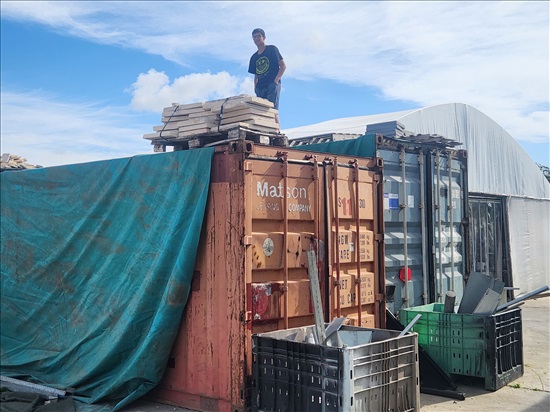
(268, 206)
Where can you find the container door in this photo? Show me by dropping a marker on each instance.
(283, 198)
(449, 212)
(489, 253)
(407, 270)
(354, 217)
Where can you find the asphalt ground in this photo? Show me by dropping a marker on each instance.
(529, 393)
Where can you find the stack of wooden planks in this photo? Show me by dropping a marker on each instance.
(182, 122)
(15, 162)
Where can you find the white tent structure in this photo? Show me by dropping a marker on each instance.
(500, 173)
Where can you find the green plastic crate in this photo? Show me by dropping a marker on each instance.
(483, 346)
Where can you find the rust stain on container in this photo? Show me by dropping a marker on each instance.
(267, 208)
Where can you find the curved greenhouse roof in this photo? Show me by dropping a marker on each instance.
(497, 164)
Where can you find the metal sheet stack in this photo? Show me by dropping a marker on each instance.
(389, 129)
(182, 122)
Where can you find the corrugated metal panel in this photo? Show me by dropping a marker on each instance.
(267, 207)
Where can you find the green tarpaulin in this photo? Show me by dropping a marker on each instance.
(97, 260)
(363, 146)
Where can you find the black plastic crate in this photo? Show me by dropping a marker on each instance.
(504, 348)
(298, 376)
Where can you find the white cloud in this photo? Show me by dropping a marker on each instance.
(493, 55)
(50, 133)
(153, 91)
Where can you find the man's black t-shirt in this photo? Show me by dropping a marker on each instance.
(265, 65)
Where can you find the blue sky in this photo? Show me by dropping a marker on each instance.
(84, 81)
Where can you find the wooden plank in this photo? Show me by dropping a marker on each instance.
(238, 101)
(233, 126)
(245, 118)
(264, 123)
(249, 115)
(240, 98)
(172, 111)
(254, 109)
(194, 132)
(182, 110)
(157, 135)
(216, 104)
(251, 127)
(196, 127)
(203, 113)
(261, 104)
(182, 117)
(188, 105)
(197, 121)
(167, 126)
(168, 134)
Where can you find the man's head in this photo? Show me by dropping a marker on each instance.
(258, 31)
(258, 36)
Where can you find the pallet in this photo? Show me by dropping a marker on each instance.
(222, 137)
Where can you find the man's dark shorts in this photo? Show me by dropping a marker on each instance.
(271, 92)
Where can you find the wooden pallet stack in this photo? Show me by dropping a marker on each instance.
(200, 124)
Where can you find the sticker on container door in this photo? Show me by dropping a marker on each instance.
(268, 246)
(410, 201)
(391, 201)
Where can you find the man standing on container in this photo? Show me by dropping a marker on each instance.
(268, 67)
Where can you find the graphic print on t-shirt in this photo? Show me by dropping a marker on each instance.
(262, 65)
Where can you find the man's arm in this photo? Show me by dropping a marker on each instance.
(282, 68)
(255, 80)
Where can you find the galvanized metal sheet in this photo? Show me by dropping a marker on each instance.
(476, 288)
(488, 303)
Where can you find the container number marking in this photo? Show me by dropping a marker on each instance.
(346, 205)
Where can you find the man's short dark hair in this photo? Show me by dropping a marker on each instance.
(258, 31)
